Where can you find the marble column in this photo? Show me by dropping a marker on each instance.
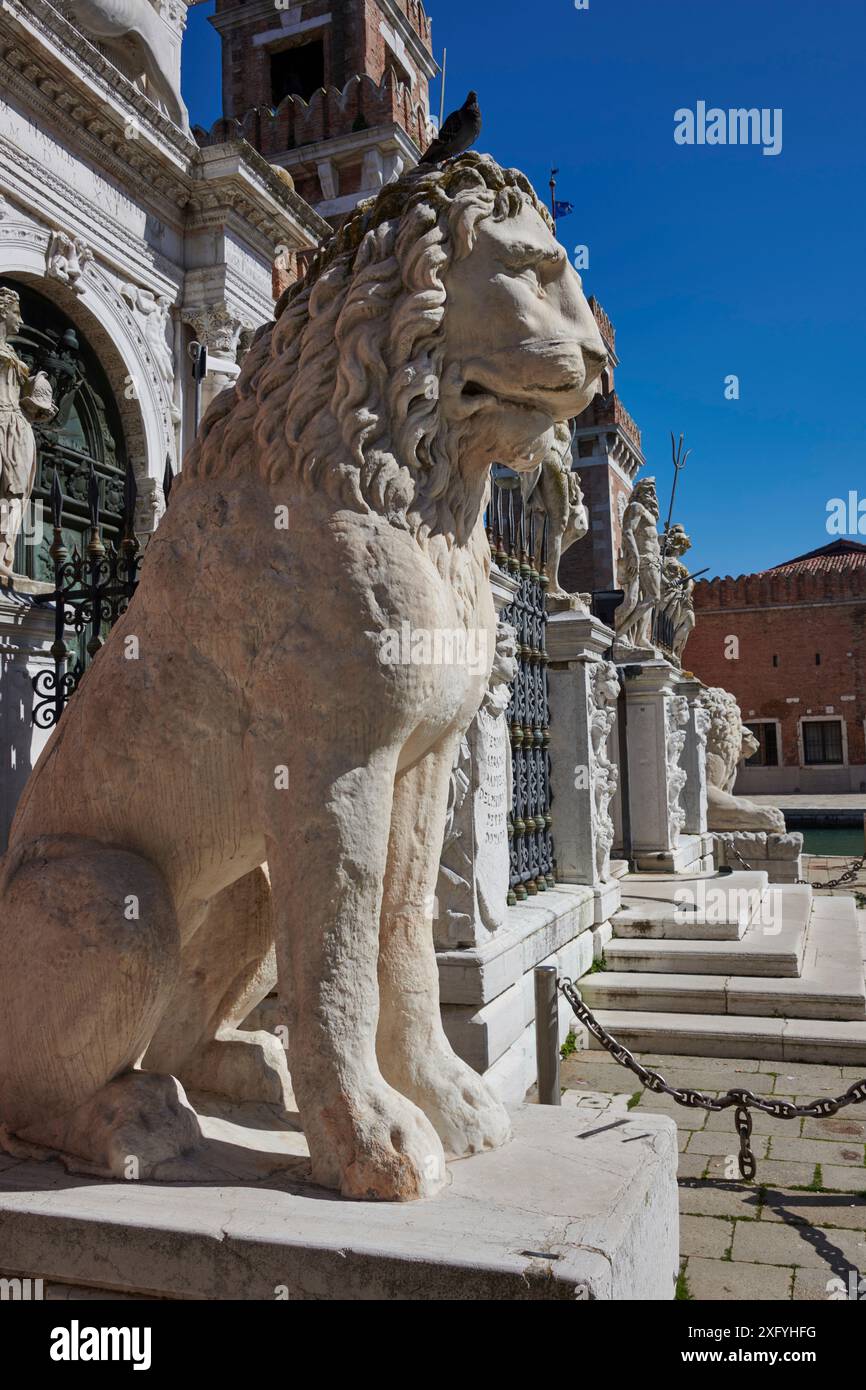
(583, 692)
(657, 718)
(694, 758)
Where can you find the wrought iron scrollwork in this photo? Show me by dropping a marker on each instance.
(91, 591)
(519, 551)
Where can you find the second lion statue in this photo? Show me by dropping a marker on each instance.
(441, 330)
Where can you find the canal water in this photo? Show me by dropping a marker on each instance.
(842, 839)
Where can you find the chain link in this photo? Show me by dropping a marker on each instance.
(848, 876)
(744, 1101)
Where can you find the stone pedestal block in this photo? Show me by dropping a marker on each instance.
(779, 855)
(657, 719)
(583, 691)
(486, 992)
(568, 1209)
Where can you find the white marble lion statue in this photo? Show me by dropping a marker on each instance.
(728, 741)
(335, 493)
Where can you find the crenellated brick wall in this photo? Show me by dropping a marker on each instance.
(330, 112)
(790, 644)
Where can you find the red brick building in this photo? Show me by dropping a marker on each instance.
(333, 91)
(790, 644)
(607, 455)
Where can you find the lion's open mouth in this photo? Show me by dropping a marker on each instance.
(533, 397)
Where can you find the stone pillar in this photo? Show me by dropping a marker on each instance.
(220, 330)
(657, 718)
(583, 693)
(26, 634)
(472, 888)
(694, 758)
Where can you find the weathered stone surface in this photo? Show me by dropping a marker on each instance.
(564, 1211)
(733, 1279)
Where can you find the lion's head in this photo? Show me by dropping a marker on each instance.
(728, 740)
(441, 329)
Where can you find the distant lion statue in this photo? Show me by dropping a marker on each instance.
(335, 494)
(728, 741)
(133, 31)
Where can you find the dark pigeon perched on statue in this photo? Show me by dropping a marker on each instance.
(458, 134)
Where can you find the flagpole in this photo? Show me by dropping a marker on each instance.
(553, 174)
(442, 93)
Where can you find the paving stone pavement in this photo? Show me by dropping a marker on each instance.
(798, 1232)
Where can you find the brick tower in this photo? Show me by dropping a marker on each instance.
(333, 91)
(607, 455)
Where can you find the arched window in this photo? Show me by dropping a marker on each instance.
(86, 428)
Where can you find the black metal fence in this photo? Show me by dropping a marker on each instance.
(519, 550)
(92, 588)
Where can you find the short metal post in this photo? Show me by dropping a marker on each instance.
(547, 1035)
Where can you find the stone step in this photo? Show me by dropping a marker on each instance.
(831, 985)
(837, 1043)
(773, 944)
(709, 907)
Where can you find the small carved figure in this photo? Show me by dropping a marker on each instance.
(603, 695)
(553, 490)
(639, 574)
(21, 395)
(66, 259)
(677, 589)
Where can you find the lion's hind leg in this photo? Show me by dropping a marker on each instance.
(88, 955)
(227, 967)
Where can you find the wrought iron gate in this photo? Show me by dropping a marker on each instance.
(519, 550)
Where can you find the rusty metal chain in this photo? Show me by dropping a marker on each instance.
(743, 1100)
(848, 876)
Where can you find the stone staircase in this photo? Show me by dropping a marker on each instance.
(728, 965)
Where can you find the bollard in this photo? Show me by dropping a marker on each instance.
(547, 1035)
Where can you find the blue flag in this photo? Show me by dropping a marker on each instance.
(562, 209)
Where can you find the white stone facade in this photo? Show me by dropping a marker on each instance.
(111, 212)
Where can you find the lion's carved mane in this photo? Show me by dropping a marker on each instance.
(342, 391)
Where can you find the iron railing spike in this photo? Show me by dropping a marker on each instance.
(93, 496)
(130, 497)
(56, 501)
(167, 479)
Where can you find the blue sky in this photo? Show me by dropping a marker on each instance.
(711, 260)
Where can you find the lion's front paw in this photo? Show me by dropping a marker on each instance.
(463, 1110)
(393, 1153)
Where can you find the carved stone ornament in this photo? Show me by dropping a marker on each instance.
(604, 774)
(67, 258)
